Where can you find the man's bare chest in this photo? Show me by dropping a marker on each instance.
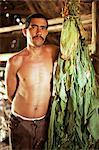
(35, 71)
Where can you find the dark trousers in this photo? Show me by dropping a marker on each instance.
(28, 135)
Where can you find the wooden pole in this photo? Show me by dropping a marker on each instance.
(11, 28)
(55, 25)
(6, 56)
(93, 27)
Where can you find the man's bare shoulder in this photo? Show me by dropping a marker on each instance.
(54, 50)
(17, 58)
(52, 46)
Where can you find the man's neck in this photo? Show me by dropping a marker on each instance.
(35, 49)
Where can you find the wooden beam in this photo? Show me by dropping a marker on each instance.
(6, 56)
(54, 24)
(94, 26)
(55, 28)
(11, 28)
(55, 21)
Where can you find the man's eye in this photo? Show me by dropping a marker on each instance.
(33, 26)
(43, 27)
(39, 27)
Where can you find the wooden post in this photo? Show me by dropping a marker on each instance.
(93, 27)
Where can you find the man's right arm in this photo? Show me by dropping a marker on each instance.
(10, 79)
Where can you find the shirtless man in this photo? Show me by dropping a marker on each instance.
(28, 85)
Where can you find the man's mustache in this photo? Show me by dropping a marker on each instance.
(38, 36)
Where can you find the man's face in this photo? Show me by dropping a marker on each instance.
(37, 31)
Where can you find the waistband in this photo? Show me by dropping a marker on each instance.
(26, 118)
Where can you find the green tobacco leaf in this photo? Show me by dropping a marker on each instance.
(94, 125)
(51, 125)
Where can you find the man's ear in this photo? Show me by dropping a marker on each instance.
(24, 31)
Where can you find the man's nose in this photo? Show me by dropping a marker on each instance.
(39, 30)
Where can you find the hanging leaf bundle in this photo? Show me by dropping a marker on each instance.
(74, 121)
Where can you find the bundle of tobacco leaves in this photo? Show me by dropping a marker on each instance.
(74, 121)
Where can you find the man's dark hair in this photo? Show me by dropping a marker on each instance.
(38, 15)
